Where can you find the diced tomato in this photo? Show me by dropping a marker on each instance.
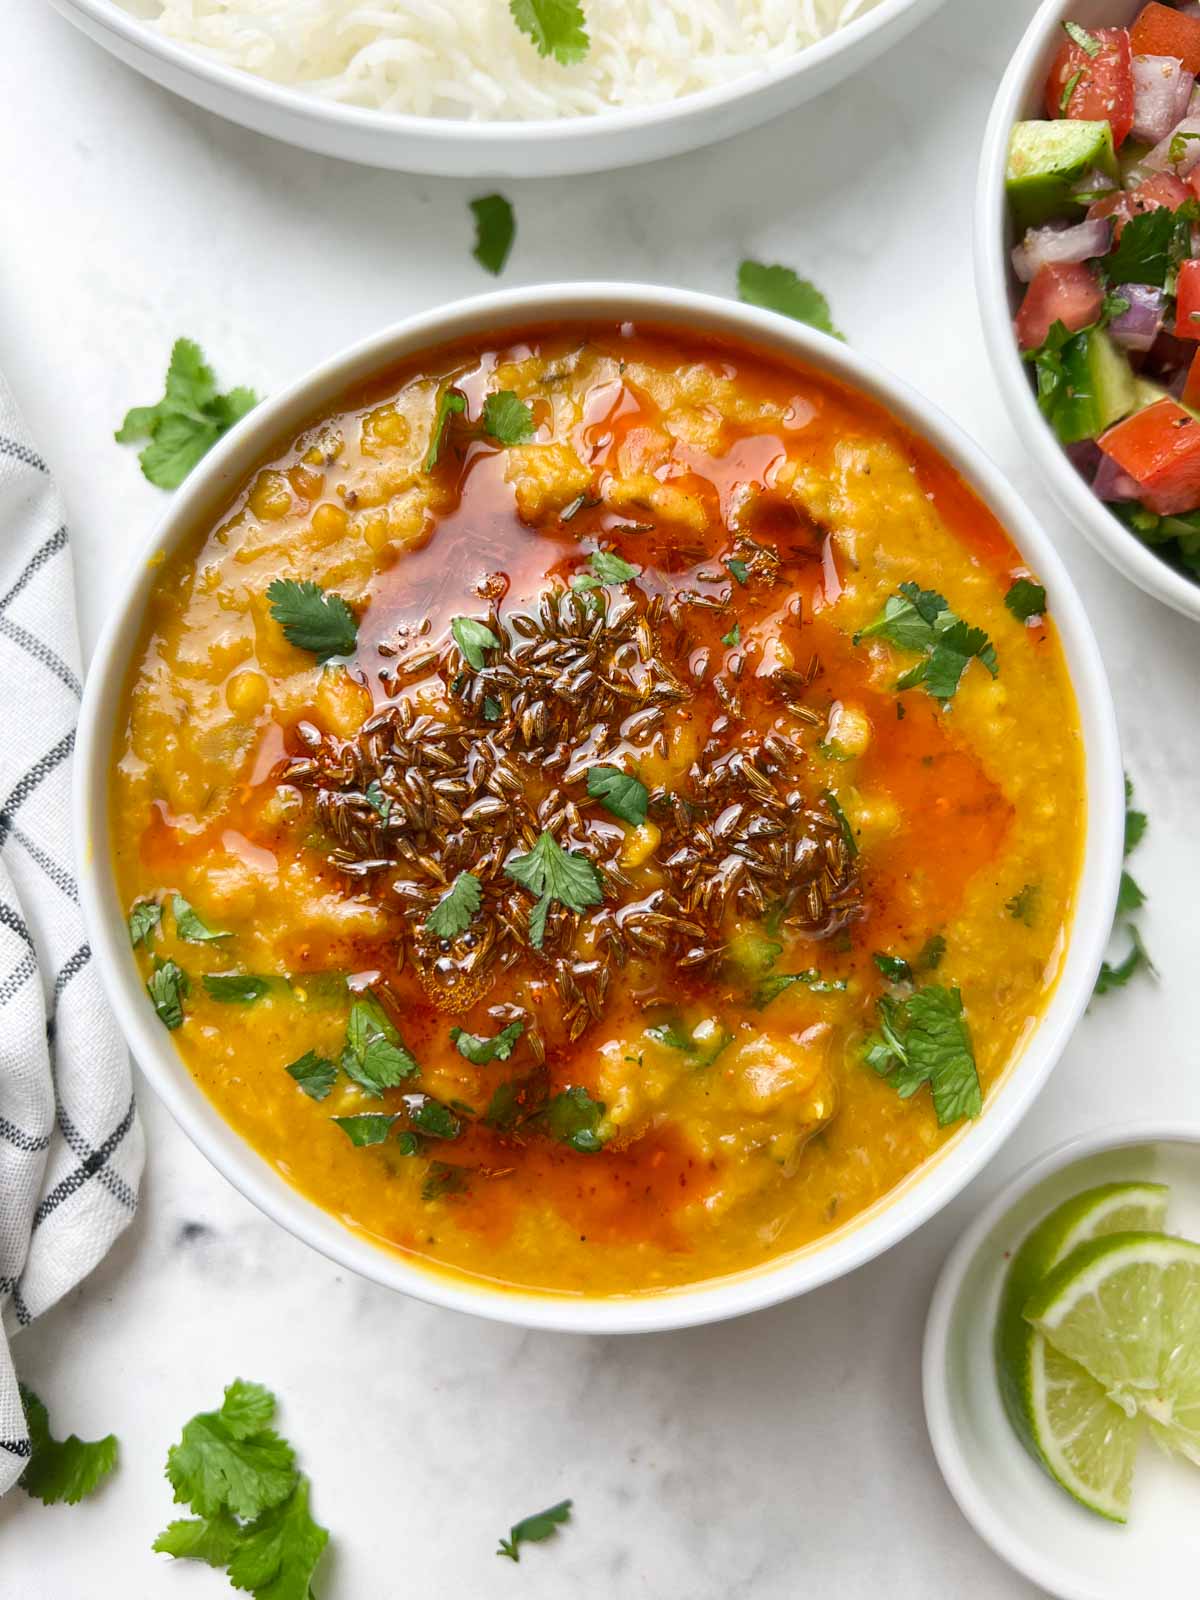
(1160, 450)
(1191, 389)
(1102, 90)
(1163, 189)
(1162, 31)
(1187, 301)
(1119, 206)
(1066, 292)
(1193, 181)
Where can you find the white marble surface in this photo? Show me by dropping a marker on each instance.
(781, 1455)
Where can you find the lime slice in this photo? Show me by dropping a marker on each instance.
(1061, 1414)
(1127, 1309)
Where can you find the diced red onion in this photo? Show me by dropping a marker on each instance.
(1110, 483)
(1162, 93)
(1085, 456)
(1189, 10)
(1094, 182)
(1138, 327)
(1160, 158)
(1083, 242)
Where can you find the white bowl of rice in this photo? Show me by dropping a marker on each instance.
(460, 88)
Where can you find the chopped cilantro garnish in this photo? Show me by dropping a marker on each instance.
(932, 951)
(253, 1517)
(313, 620)
(625, 796)
(375, 1056)
(925, 1039)
(552, 873)
(894, 968)
(451, 403)
(187, 421)
(1069, 89)
(315, 1074)
(492, 709)
(480, 1050)
(1023, 905)
(432, 1117)
(734, 637)
(453, 912)
(920, 619)
(377, 800)
(608, 568)
(1086, 41)
(507, 419)
(191, 926)
(574, 1118)
(444, 1179)
(773, 986)
(1150, 245)
(555, 26)
(1135, 821)
(672, 1035)
(495, 229)
(239, 988)
(168, 987)
(843, 822)
(367, 1128)
(143, 919)
(1177, 149)
(778, 289)
(1026, 599)
(739, 569)
(1129, 896)
(533, 1530)
(473, 638)
(62, 1469)
(1138, 960)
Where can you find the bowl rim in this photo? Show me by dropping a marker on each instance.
(932, 1185)
(939, 1410)
(1133, 559)
(506, 135)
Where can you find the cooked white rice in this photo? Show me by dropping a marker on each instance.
(467, 58)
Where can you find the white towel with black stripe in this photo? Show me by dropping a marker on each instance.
(70, 1143)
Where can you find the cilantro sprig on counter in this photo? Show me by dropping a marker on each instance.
(921, 620)
(250, 1500)
(67, 1469)
(777, 288)
(1130, 898)
(535, 1529)
(189, 419)
(495, 230)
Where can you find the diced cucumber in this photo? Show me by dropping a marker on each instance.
(1147, 393)
(1100, 387)
(1046, 158)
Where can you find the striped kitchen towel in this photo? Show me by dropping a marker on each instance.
(70, 1143)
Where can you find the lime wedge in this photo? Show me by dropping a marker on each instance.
(1061, 1414)
(1127, 1310)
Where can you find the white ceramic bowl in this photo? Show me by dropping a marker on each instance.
(1025, 1517)
(456, 148)
(201, 498)
(1020, 97)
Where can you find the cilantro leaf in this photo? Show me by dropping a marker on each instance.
(920, 619)
(733, 637)
(211, 1539)
(553, 873)
(574, 1118)
(507, 419)
(1135, 821)
(1069, 88)
(1026, 599)
(278, 1553)
(453, 912)
(951, 655)
(433, 1118)
(187, 421)
(1023, 905)
(843, 822)
(239, 988)
(315, 1074)
(779, 289)
(368, 1127)
(624, 796)
(932, 951)
(313, 620)
(1130, 896)
(375, 1056)
(555, 26)
(479, 1051)
(379, 802)
(739, 569)
(894, 968)
(451, 403)
(770, 988)
(673, 1036)
(1143, 252)
(231, 1459)
(473, 638)
(608, 568)
(62, 1469)
(443, 1180)
(925, 1039)
(1138, 960)
(191, 926)
(143, 919)
(495, 229)
(908, 619)
(168, 986)
(533, 1530)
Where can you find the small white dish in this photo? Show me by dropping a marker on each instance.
(457, 148)
(1020, 97)
(1016, 1507)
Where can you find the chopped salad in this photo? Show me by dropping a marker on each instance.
(1105, 193)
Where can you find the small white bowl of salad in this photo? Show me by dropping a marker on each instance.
(1087, 256)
